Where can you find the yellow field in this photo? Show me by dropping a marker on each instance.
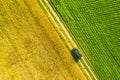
(30, 49)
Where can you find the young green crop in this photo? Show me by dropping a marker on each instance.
(95, 26)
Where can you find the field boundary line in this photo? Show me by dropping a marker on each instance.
(52, 12)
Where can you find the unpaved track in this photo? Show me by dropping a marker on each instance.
(65, 34)
(30, 48)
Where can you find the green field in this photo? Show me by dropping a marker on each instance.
(95, 27)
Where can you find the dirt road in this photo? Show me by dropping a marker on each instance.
(65, 34)
(30, 48)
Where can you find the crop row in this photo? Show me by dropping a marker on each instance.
(95, 28)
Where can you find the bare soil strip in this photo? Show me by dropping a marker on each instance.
(66, 36)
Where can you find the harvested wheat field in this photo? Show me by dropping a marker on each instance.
(30, 48)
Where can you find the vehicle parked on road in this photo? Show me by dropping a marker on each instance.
(76, 54)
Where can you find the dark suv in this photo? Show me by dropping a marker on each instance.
(76, 54)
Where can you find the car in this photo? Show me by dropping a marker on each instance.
(76, 54)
